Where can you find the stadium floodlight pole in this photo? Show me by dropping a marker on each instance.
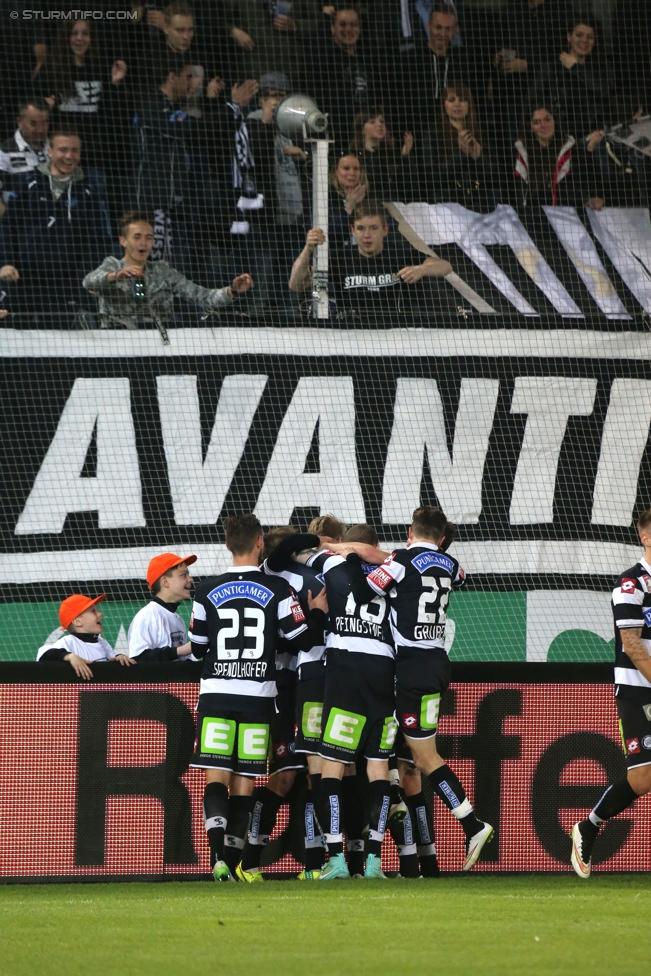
(299, 115)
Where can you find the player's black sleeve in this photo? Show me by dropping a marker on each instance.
(54, 654)
(281, 556)
(157, 654)
(362, 592)
(312, 635)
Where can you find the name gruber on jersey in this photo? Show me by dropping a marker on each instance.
(371, 281)
(363, 628)
(240, 669)
(429, 632)
(240, 590)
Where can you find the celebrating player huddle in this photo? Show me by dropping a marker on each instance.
(331, 656)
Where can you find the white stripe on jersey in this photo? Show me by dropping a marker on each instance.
(631, 677)
(294, 580)
(330, 563)
(629, 622)
(238, 686)
(636, 597)
(401, 641)
(359, 645)
(198, 610)
(286, 661)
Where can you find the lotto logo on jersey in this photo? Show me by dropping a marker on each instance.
(628, 585)
(297, 613)
(632, 746)
(280, 750)
(380, 577)
(409, 721)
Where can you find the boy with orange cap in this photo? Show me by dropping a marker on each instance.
(157, 631)
(82, 618)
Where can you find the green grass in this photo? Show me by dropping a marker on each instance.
(452, 927)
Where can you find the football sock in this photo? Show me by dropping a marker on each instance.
(450, 791)
(420, 812)
(354, 823)
(403, 838)
(313, 836)
(266, 805)
(329, 806)
(315, 780)
(378, 811)
(239, 814)
(617, 797)
(215, 815)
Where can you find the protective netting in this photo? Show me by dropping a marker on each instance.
(477, 339)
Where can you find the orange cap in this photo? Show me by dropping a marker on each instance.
(166, 561)
(73, 605)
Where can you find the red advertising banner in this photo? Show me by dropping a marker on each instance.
(94, 779)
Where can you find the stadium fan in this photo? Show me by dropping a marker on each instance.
(439, 65)
(455, 163)
(87, 92)
(278, 30)
(348, 187)
(551, 169)
(343, 76)
(135, 291)
(279, 227)
(375, 277)
(389, 169)
(418, 581)
(82, 618)
(156, 632)
(631, 600)
(54, 229)
(27, 148)
(293, 734)
(237, 619)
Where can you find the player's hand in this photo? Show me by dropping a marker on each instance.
(124, 660)
(296, 153)
(9, 273)
(118, 72)
(242, 283)
(411, 274)
(242, 39)
(80, 666)
(567, 60)
(320, 601)
(314, 238)
(242, 94)
(355, 196)
(131, 271)
(184, 650)
(594, 139)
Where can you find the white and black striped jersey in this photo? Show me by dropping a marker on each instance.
(301, 579)
(236, 621)
(361, 628)
(90, 647)
(418, 581)
(631, 602)
(156, 631)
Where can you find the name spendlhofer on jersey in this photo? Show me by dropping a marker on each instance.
(418, 581)
(301, 580)
(237, 620)
(361, 628)
(631, 602)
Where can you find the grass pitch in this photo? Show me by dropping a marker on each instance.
(471, 925)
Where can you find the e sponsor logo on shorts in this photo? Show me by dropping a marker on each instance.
(311, 720)
(429, 711)
(252, 742)
(344, 729)
(217, 736)
(389, 733)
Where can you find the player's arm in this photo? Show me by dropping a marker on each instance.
(301, 631)
(369, 553)
(637, 652)
(281, 557)
(378, 583)
(431, 268)
(301, 277)
(198, 630)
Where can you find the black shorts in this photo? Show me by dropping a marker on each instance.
(635, 730)
(233, 736)
(283, 729)
(422, 676)
(358, 707)
(310, 693)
